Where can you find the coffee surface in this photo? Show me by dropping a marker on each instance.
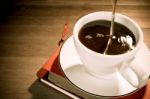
(95, 35)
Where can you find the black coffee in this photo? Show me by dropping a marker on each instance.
(95, 35)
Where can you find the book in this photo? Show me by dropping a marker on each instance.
(57, 79)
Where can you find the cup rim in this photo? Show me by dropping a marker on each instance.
(137, 47)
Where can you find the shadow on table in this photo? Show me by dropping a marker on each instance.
(41, 91)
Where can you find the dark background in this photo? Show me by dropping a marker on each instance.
(6, 8)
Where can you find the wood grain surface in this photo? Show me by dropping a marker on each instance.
(29, 34)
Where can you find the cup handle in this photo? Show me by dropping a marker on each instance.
(134, 74)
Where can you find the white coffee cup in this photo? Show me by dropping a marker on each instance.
(104, 66)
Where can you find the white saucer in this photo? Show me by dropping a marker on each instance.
(76, 73)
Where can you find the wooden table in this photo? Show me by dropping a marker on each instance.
(29, 34)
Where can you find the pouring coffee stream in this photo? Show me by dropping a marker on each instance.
(112, 24)
(122, 39)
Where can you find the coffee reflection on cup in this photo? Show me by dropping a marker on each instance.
(91, 33)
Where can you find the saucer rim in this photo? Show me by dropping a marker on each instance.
(103, 96)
